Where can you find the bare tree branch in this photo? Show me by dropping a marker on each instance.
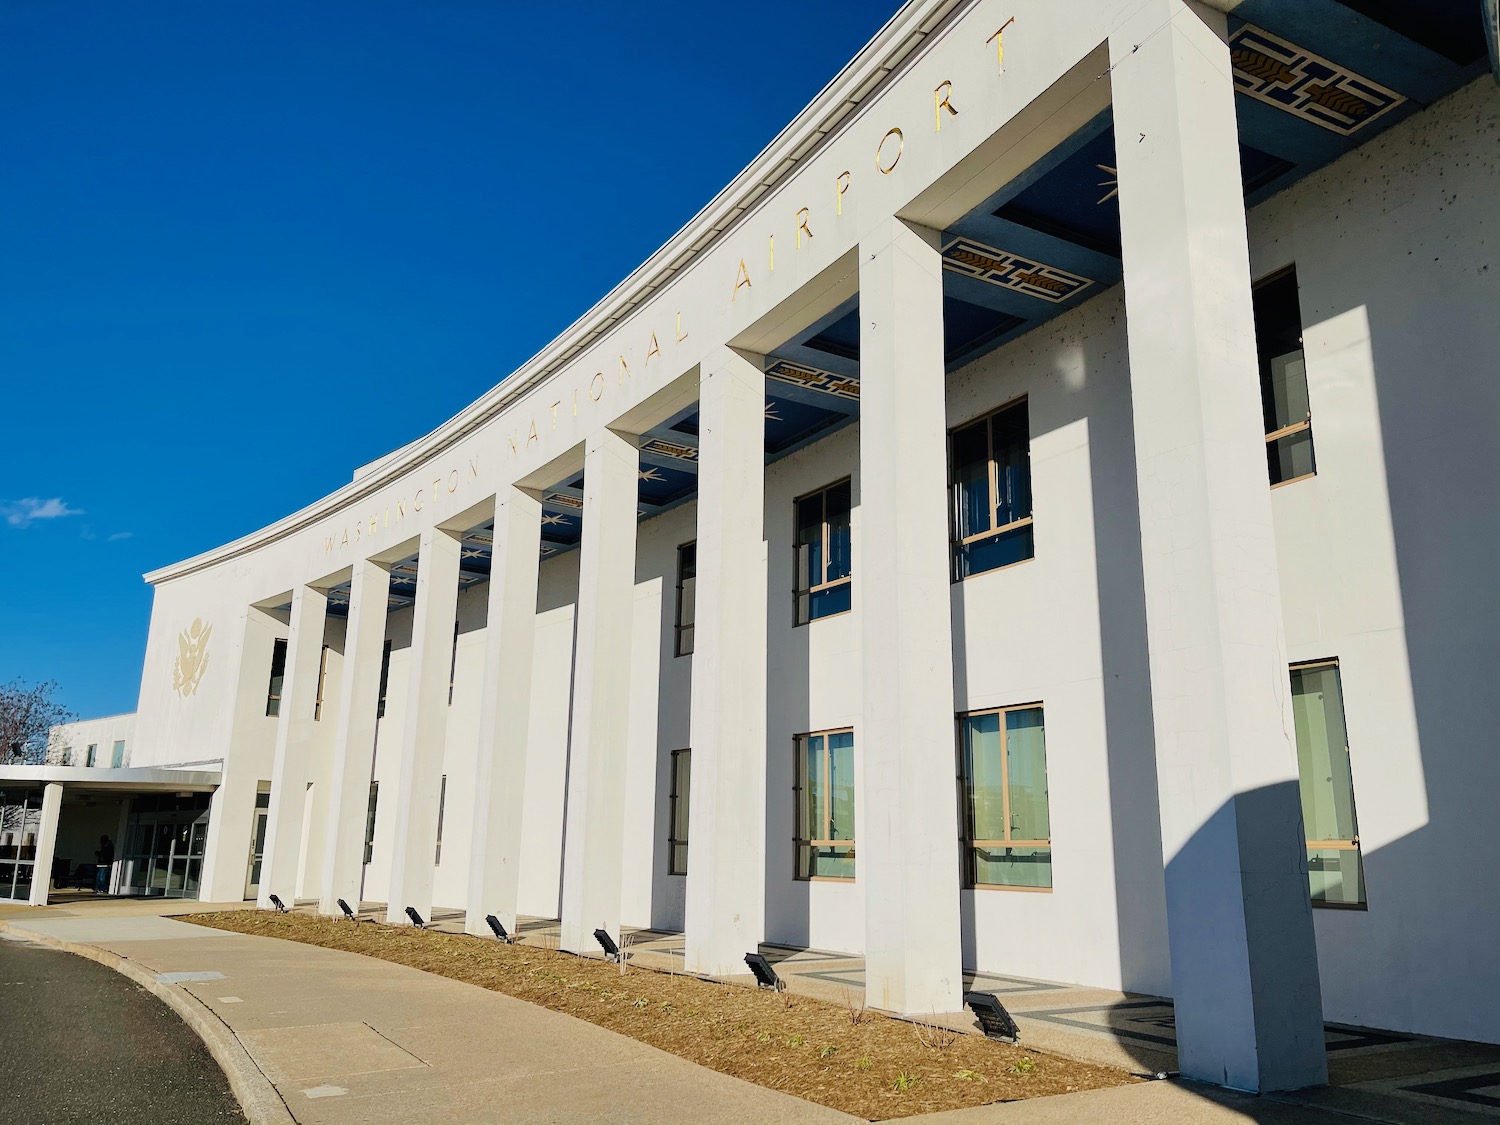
(28, 712)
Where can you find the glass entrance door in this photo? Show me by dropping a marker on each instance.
(164, 846)
(257, 844)
(20, 821)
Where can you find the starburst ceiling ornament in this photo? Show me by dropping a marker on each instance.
(651, 473)
(549, 520)
(771, 415)
(1113, 183)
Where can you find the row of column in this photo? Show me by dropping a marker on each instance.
(1244, 967)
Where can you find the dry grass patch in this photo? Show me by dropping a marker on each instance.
(838, 1055)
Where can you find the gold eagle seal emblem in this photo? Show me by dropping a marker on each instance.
(192, 657)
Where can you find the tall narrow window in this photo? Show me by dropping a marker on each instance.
(825, 805)
(823, 564)
(117, 757)
(687, 605)
(1335, 871)
(437, 857)
(278, 675)
(991, 474)
(370, 820)
(453, 665)
(1283, 379)
(385, 679)
(93, 752)
(322, 683)
(677, 842)
(1002, 767)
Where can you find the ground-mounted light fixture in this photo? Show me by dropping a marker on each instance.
(349, 914)
(765, 976)
(993, 1018)
(278, 904)
(416, 919)
(498, 929)
(607, 943)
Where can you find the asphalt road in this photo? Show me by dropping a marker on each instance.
(81, 1043)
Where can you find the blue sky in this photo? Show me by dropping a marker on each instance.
(247, 246)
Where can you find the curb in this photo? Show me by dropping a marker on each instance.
(251, 1088)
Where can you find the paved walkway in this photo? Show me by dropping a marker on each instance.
(349, 1039)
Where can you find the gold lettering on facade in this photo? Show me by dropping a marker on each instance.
(598, 380)
(681, 335)
(345, 541)
(400, 510)
(842, 185)
(741, 279)
(771, 255)
(356, 532)
(998, 39)
(531, 435)
(886, 169)
(940, 102)
(474, 467)
(416, 501)
(802, 227)
(624, 369)
(374, 524)
(653, 349)
(555, 405)
(453, 481)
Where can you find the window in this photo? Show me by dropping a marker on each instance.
(1335, 871)
(453, 665)
(677, 842)
(322, 683)
(1002, 768)
(278, 675)
(370, 819)
(824, 586)
(437, 857)
(687, 589)
(385, 679)
(117, 758)
(1283, 379)
(90, 754)
(825, 805)
(991, 470)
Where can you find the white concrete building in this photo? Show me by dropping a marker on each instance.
(1039, 518)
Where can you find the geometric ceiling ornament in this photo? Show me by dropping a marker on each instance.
(1282, 74)
(1011, 271)
(563, 499)
(671, 449)
(813, 379)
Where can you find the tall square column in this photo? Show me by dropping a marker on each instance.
(505, 712)
(1239, 923)
(46, 843)
(908, 843)
(593, 840)
(294, 731)
(425, 734)
(726, 873)
(354, 739)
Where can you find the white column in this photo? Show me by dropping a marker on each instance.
(1244, 965)
(594, 837)
(46, 843)
(354, 740)
(500, 782)
(426, 730)
(725, 915)
(294, 730)
(908, 844)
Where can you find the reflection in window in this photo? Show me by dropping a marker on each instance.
(1003, 775)
(677, 842)
(1283, 379)
(825, 805)
(278, 675)
(824, 565)
(991, 481)
(1335, 870)
(687, 589)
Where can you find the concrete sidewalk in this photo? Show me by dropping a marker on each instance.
(348, 1039)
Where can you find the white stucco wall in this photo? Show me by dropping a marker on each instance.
(69, 743)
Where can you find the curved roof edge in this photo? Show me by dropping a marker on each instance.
(856, 82)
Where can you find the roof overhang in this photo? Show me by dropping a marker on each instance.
(203, 778)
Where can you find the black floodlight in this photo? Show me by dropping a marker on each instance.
(349, 914)
(498, 929)
(993, 1017)
(607, 943)
(416, 919)
(278, 904)
(765, 976)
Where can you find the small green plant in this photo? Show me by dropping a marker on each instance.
(641, 1003)
(763, 1037)
(1022, 1066)
(904, 1082)
(970, 1076)
(692, 1011)
(864, 1063)
(795, 1041)
(827, 1051)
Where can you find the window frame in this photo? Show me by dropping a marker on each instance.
(799, 742)
(966, 840)
(1353, 844)
(322, 684)
(680, 626)
(673, 842)
(276, 682)
(385, 678)
(91, 754)
(1291, 428)
(827, 584)
(958, 542)
(117, 754)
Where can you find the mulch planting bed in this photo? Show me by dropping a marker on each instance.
(864, 1063)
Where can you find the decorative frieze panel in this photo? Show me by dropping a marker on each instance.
(1276, 72)
(1012, 271)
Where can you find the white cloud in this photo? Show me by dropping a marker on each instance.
(117, 536)
(21, 513)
